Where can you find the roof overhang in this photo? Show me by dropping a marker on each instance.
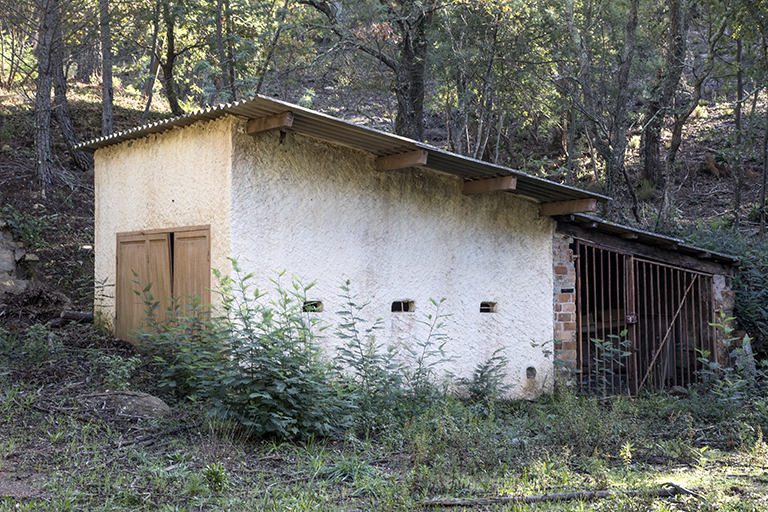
(385, 146)
(630, 237)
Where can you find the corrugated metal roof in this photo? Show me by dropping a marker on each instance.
(649, 238)
(337, 131)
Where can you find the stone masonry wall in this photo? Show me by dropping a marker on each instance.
(565, 323)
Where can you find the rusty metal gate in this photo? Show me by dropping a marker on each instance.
(641, 324)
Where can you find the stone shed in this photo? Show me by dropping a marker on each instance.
(282, 188)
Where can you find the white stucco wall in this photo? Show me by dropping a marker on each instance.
(175, 179)
(323, 213)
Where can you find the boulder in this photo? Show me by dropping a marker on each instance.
(127, 403)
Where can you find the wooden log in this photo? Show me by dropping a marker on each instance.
(77, 316)
(564, 207)
(66, 316)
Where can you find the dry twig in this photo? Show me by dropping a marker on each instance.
(559, 496)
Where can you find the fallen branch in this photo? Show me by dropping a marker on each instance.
(152, 437)
(558, 496)
(67, 316)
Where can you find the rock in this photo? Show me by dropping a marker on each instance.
(13, 286)
(141, 405)
(128, 403)
(678, 391)
(7, 259)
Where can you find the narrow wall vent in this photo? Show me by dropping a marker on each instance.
(403, 306)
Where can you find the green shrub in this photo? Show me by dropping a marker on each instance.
(36, 345)
(258, 363)
(750, 283)
(487, 383)
(372, 370)
(389, 383)
(646, 190)
(25, 227)
(116, 370)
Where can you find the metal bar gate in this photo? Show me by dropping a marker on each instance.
(641, 324)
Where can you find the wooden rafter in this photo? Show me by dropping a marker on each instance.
(489, 185)
(565, 207)
(276, 122)
(402, 160)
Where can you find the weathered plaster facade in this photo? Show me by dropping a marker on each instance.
(284, 201)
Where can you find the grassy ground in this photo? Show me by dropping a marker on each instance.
(62, 450)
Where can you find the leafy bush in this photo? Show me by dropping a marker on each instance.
(487, 383)
(36, 345)
(258, 363)
(389, 383)
(27, 228)
(372, 370)
(116, 370)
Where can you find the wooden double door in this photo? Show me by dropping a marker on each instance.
(173, 263)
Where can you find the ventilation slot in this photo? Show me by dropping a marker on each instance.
(487, 307)
(312, 306)
(403, 306)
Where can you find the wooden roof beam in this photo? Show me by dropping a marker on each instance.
(489, 185)
(402, 160)
(280, 121)
(565, 207)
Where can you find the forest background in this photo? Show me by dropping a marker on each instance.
(658, 104)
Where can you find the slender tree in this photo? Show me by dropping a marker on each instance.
(83, 160)
(46, 31)
(107, 94)
(660, 103)
(715, 28)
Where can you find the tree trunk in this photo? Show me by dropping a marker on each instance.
(222, 54)
(271, 51)
(83, 160)
(107, 93)
(46, 171)
(660, 104)
(765, 169)
(570, 144)
(231, 50)
(410, 76)
(169, 81)
(154, 65)
(765, 152)
(738, 167)
(611, 143)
